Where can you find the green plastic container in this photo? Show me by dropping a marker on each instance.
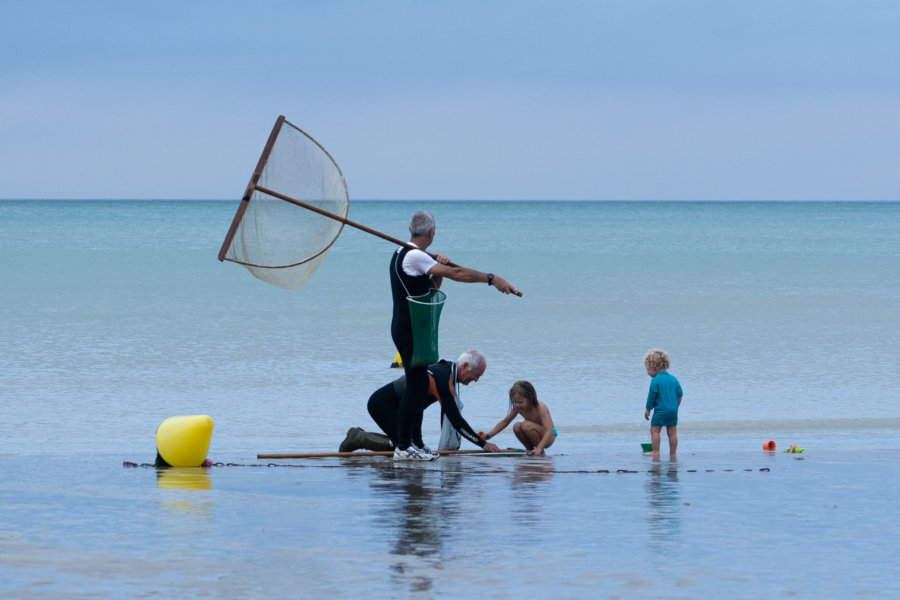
(425, 314)
(647, 447)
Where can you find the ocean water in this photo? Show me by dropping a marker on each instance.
(781, 320)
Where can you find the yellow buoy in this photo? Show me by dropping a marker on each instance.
(183, 441)
(398, 362)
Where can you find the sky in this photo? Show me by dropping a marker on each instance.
(437, 99)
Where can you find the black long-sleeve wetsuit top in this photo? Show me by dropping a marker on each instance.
(384, 403)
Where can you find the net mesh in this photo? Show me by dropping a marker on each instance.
(276, 240)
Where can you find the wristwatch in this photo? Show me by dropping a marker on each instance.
(490, 279)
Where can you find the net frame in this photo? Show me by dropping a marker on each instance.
(254, 187)
(257, 192)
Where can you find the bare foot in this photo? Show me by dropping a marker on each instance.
(651, 454)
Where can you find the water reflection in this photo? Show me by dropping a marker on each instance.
(415, 500)
(185, 478)
(528, 476)
(529, 473)
(664, 499)
(179, 485)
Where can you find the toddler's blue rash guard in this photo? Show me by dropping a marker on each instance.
(663, 399)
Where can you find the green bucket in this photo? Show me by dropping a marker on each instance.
(425, 314)
(647, 447)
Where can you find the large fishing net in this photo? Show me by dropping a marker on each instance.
(271, 234)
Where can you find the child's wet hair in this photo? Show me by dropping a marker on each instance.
(657, 359)
(524, 389)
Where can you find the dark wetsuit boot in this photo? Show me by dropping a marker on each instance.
(357, 439)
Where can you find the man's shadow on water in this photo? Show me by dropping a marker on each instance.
(419, 507)
(664, 500)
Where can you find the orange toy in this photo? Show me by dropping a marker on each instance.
(770, 445)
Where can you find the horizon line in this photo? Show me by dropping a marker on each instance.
(463, 200)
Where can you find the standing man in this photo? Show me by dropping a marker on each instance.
(413, 272)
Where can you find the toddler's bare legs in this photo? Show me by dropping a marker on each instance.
(654, 439)
(672, 432)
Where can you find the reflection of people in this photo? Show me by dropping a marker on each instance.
(664, 501)
(413, 272)
(663, 400)
(410, 516)
(443, 381)
(536, 432)
(527, 473)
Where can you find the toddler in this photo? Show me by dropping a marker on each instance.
(663, 400)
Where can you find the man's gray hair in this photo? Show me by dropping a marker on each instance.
(421, 223)
(473, 358)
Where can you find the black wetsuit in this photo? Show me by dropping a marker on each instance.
(412, 403)
(385, 402)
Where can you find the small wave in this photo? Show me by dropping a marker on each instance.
(764, 426)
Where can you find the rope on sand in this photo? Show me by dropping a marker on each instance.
(132, 465)
(762, 470)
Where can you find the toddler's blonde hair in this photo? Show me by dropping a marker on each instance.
(657, 359)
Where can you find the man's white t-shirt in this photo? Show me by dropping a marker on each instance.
(416, 262)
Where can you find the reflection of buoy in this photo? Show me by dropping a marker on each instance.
(185, 478)
(398, 362)
(770, 445)
(183, 441)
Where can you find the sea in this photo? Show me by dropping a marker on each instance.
(782, 321)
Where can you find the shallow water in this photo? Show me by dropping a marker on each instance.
(781, 321)
(612, 524)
